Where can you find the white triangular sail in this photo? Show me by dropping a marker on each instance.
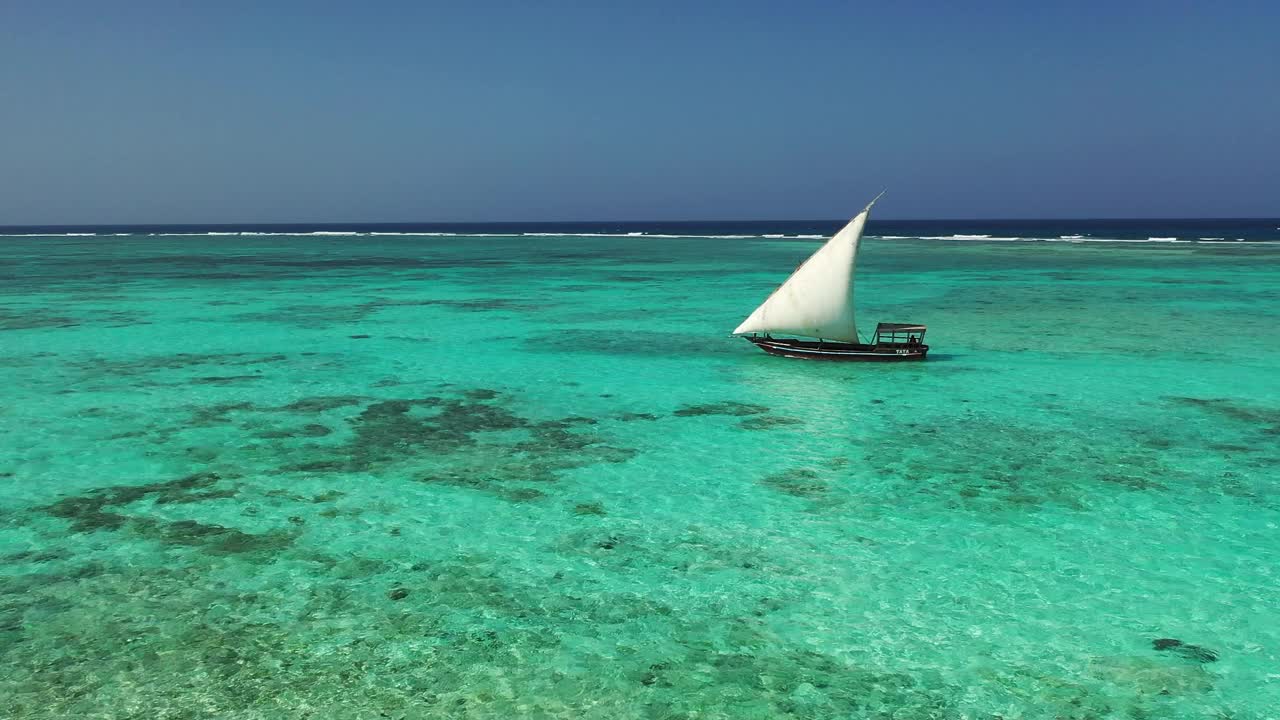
(817, 300)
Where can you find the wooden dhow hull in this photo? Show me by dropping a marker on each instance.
(838, 351)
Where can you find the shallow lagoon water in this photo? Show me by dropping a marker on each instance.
(412, 477)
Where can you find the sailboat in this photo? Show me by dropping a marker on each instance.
(813, 310)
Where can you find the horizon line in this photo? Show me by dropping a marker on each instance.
(627, 221)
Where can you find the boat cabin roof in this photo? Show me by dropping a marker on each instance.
(899, 327)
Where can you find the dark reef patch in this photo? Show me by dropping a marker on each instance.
(349, 263)
(274, 434)
(312, 430)
(631, 278)
(118, 318)
(766, 422)
(1257, 427)
(212, 275)
(494, 304)
(86, 515)
(36, 556)
(214, 539)
(177, 361)
(1185, 650)
(314, 466)
(474, 305)
(125, 436)
(1132, 482)
(16, 319)
(1232, 410)
(89, 512)
(105, 509)
(986, 465)
(633, 416)
(521, 495)
(558, 435)
(798, 482)
(628, 343)
(385, 430)
(312, 317)
(321, 403)
(192, 488)
(217, 414)
(224, 379)
(721, 408)
(470, 441)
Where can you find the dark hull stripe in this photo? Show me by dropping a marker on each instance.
(851, 353)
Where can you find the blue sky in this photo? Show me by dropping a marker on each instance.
(484, 111)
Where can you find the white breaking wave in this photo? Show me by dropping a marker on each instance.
(1107, 240)
(984, 238)
(635, 234)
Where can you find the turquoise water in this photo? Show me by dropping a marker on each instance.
(463, 477)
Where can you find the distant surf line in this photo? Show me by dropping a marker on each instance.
(647, 235)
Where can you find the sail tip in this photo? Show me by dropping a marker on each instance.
(873, 200)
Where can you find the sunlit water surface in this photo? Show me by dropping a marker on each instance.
(466, 477)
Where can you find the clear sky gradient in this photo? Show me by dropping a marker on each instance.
(233, 111)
